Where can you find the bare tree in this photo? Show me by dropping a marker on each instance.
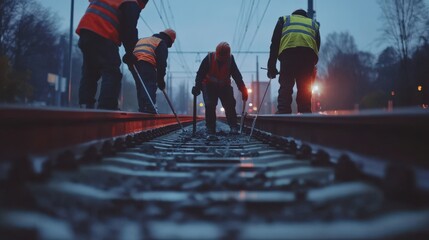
(335, 43)
(8, 18)
(35, 34)
(13, 84)
(404, 25)
(346, 72)
(29, 40)
(405, 20)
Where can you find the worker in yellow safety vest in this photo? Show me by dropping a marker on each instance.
(152, 53)
(296, 43)
(105, 25)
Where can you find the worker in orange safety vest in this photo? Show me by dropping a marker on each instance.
(105, 25)
(214, 80)
(152, 54)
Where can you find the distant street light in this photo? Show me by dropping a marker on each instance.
(315, 89)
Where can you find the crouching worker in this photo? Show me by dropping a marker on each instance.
(151, 54)
(214, 79)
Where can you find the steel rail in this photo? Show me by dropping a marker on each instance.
(26, 130)
(401, 136)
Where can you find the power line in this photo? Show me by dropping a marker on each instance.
(147, 25)
(165, 13)
(171, 12)
(246, 28)
(177, 46)
(239, 15)
(256, 31)
(159, 14)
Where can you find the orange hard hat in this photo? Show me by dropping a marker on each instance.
(171, 33)
(223, 51)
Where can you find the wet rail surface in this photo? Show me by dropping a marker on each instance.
(168, 184)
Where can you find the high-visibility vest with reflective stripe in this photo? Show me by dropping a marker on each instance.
(299, 31)
(219, 74)
(145, 49)
(102, 17)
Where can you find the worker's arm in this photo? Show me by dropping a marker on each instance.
(202, 72)
(130, 12)
(275, 45)
(161, 53)
(236, 75)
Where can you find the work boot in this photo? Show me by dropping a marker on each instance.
(211, 131)
(282, 112)
(211, 134)
(148, 110)
(212, 137)
(87, 106)
(234, 131)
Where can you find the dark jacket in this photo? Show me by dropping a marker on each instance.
(129, 15)
(204, 69)
(161, 53)
(275, 45)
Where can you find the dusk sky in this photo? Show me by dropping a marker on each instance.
(202, 24)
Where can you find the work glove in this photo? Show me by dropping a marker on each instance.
(161, 84)
(272, 73)
(196, 91)
(129, 59)
(244, 94)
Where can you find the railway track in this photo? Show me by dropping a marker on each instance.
(163, 183)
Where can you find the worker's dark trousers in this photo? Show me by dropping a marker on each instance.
(148, 75)
(100, 59)
(211, 94)
(296, 65)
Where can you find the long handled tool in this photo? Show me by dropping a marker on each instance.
(194, 119)
(136, 74)
(172, 109)
(260, 106)
(242, 117)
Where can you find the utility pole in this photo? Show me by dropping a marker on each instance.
(60, 72)
(70, 52)
(310, 10)
(257, 81)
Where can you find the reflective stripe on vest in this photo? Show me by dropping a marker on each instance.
(102, 17)
(298, 31)
(145, 49)
(219, 75)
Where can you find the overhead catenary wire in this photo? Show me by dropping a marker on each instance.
(159, 14)
(182, 61)
(246, 27)
(242, 24)
(256, 32)
(147, 25)
(165, 13)
(177, 45)
(237, 22)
